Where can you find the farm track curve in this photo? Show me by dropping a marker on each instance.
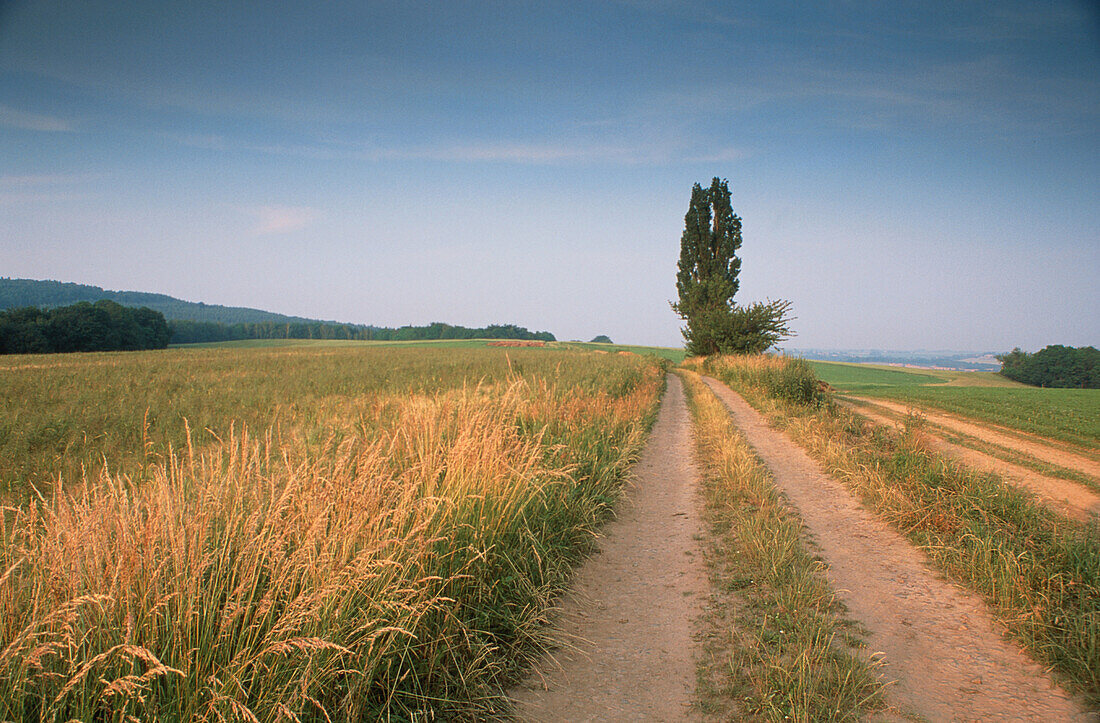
(625, 630)
(1047, 450)
(1072, 499)
(945, 656)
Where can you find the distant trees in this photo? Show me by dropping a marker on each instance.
(1054, 366)
(602, 339)
(192, 332)
(706, 282)
(102, 326)
(203, 323)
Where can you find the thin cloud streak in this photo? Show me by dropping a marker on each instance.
(487, 152)
(47, 179)
(15, 118)
(275, 220)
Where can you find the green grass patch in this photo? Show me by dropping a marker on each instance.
(673, 354)
(333, 343)
(852, 377)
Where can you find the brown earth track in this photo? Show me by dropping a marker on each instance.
(626, 627)
(1046, 450)
(940, 647)
(1072, 499)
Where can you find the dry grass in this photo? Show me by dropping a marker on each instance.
(389, 556)
(1038, 571)
(781, 641)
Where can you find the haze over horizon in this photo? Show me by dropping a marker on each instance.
(910, 175)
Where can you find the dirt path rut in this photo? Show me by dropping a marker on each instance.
(626, 627)
(1070, 498)
(1026, 443)
(940, 646)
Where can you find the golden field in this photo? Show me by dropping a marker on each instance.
(299, 533)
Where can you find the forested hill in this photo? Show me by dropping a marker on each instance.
(16, 293)
(191, 322)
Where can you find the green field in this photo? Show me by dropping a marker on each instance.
(1070, 415)
(271, 343)
(673, 354)
(857, 377)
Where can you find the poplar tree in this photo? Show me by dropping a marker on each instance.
(706, 281)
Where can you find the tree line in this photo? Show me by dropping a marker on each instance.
(1054, 366)
(191, 332)
(15, 293)
(102, 326)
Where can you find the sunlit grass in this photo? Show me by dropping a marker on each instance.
(387, 548)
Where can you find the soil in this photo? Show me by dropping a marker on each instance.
(938, 644)
(626, 651)
(1072, 499)
(1037, 447)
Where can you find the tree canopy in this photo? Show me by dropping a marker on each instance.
(706, 282)
(192, 332)
(1054, 366)
(102, 326)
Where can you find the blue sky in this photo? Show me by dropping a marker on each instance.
(909, 174)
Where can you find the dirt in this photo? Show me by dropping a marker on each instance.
(1072, 499)
(1045, 450)
(625, 630)
(946, 658)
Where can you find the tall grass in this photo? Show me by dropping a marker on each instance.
(66, 414)
(788, 651)
(1038, 571)
(392, 557)
(781, 377)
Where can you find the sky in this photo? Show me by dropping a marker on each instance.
(910, 175)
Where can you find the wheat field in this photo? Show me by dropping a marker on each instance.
(297, 534)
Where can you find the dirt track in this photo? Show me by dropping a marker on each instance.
(940, 647)
(626, 628)
(1070, 498)
(1051, 452)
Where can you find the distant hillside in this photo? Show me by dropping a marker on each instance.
(957, 360)
(15, 293)
(192, 322)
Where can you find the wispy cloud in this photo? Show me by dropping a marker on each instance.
(722, 155)
(47, 179)
(473, 151)
(15, 118)
(532, 153)
(273, 220)
(46, 187)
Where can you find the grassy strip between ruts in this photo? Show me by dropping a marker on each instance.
(1039, 572)
(778, 646)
